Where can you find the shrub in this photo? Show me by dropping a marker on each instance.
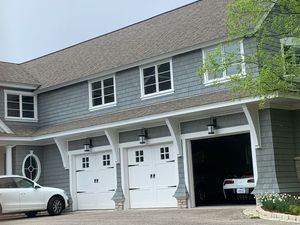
(294, 209)
(283, 203)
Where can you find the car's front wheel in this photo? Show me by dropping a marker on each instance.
(31, 214)
(55, 206)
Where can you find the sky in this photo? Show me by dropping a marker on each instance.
(33, 28)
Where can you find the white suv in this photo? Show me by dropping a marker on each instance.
(19, 194)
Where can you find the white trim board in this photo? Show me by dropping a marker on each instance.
(187, 153)
(72, 172)
(124, 162)
(18, 86)
(5, 128)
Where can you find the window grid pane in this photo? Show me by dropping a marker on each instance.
(139, 156)
(27, 107)
(16, 102)
(164, 153)
(157, 78)
(103, 92)
(106, 160)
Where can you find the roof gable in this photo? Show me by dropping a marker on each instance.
(14, 73)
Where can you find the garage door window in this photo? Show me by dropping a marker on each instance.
(31, 167)
(164, 153)
(106, 160)
(139, 156)
(85, 162)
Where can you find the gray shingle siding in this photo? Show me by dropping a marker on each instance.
(296, 116)
(53, 173)
(284, 146)
(72, 102)
(222, 122)
(275, 161)
(96, 142)
(153, 132)
(18, 155)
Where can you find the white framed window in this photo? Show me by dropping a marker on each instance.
(233, 50)
(139, 156)
(31, 167)
(156, 79)
(164, 153)
(85, 162)
(20, 106)
(291, 52)
(102, 93)
(106, 160)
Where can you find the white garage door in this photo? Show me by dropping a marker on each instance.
(153, 176)
(96, 180)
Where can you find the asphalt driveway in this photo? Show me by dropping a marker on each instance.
(206, 215)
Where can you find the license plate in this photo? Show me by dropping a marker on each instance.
(241, 191)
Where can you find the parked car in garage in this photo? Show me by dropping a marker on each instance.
(21, 195)
(238, 189)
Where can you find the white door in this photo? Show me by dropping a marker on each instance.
(96, 180)
(30, 198)
(153, 176)
(9, 195)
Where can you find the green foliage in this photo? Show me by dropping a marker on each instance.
(283, 203)
(294, 209)
(267, 22)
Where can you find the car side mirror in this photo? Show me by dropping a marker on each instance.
(36, 186)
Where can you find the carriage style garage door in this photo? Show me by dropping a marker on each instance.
(96, 181)
(153, 176)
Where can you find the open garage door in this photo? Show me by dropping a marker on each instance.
(153, 176)
(224, 159)
(96, 181)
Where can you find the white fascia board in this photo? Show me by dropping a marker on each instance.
(135, 64)
(259, 24)
(18, 85)
(5, 128)
(160, 116)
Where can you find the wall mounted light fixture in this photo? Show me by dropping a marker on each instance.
(212, 125)
(143, 136)
(88, 145)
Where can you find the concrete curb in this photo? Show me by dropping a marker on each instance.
(263, 214)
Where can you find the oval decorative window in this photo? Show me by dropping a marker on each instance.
(31, 167)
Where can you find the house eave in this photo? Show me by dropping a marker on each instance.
(121, 124)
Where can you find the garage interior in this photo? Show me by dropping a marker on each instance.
(216, 159)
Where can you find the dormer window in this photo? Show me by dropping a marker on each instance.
(20, 106)
(156, 79)
(232, 53)
(291, 53)
(102, 93)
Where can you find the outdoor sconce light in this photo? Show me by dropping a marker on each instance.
(212, 126)
(88, 145)
(143, 136)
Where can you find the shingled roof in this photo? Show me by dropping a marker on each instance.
(191, 25)
(13, 73)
